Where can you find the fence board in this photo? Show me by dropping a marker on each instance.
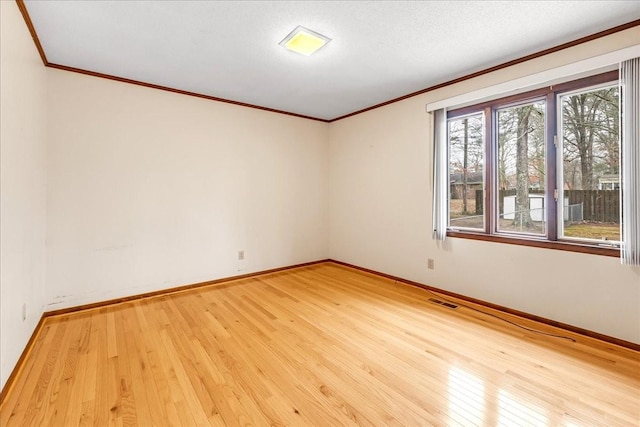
(597, 205)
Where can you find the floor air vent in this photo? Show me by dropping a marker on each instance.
(446, 304)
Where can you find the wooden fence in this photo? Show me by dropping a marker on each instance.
(502, 195)
(597, 205)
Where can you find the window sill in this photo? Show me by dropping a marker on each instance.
(538, 243)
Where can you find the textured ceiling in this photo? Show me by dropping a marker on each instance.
(380, 50)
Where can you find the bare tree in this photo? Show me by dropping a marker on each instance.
(522, 216)
(507, 126)
(607, 130)
(580, 111)
(466, 153)
(521, 158)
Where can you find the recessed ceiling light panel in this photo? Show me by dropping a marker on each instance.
(304, 41)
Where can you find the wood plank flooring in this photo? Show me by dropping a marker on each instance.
(323, 345)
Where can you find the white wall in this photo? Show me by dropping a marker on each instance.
(380, 218)
(23, 111)
(150, 190)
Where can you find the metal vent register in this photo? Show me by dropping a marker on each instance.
(446, 304)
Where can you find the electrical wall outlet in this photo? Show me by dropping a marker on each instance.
(24, 311)
(240, 255)
(430, 264)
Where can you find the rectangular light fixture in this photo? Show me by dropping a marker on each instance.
(304, 41)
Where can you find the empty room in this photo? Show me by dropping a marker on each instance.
(319, 213)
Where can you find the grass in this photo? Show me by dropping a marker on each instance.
(593, 230)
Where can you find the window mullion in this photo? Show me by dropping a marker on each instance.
(551, 204)
(490, 172)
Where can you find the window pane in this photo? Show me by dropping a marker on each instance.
(521, 169)
(466, 172)
(590, 165)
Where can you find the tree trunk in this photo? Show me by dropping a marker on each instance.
(586, 164)
(522, 218)
(584, 111)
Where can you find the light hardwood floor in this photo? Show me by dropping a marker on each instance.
(323, 345)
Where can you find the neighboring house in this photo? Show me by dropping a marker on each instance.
(609, 182)
(456, 184)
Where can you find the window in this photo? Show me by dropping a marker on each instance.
(590, 168)
(521, 168)
(540, 168)
(466, 172)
